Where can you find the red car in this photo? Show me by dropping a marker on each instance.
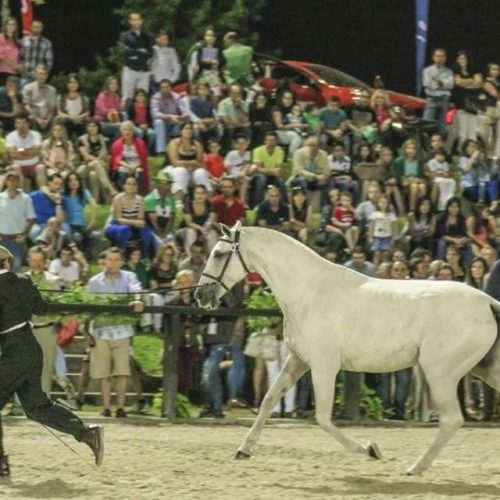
(312, 82)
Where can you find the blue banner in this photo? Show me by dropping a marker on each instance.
(421, 18)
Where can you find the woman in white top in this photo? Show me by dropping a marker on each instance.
(73, 107)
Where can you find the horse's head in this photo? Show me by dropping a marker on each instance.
(225, 267)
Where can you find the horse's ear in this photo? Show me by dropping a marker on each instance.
(225, 231)
(237, 226)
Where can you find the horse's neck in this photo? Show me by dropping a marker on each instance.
(290, 269)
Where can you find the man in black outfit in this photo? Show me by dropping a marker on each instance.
(21, 363)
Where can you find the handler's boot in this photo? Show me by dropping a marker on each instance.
(4, 465)
(94, 438)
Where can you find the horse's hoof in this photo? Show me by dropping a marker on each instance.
(374, 451)
(413, 472)
(241, 455)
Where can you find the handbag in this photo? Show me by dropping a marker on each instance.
(67, 332)
(262, 345)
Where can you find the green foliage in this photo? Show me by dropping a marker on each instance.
(261, 299)
(147, 352)
(370, 404)
(79, 295)
(182, 403)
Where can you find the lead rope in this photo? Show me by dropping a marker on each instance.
(50, 431)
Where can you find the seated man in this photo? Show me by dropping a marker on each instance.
(341, 173)
(361, 120)
(273, 213)
(332, 120)
(268, 162)
(24, 148)
(168, 112)
(52, 239)
(233, 111)
(70, 266)
(195, 263)
(310, 167)
(360, 263)
(47, 205)
(39, 98)
(227, 206)
(159, 206)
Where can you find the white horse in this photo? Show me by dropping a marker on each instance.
(335, 318)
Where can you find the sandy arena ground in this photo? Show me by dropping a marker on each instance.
(292, 461)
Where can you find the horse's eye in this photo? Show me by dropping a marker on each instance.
(218, 254)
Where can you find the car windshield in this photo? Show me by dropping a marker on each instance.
(336, 77)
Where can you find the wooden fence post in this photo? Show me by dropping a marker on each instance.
(170, 361)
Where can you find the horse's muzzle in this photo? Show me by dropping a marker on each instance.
(206, 297)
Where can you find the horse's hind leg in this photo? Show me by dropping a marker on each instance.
(292, 370)
(444, 395)
(324, 393)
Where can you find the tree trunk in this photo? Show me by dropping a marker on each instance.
(5, 11)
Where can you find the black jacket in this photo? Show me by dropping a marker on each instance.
(132, 44)
(19, 300)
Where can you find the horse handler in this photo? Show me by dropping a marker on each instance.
(21, 363)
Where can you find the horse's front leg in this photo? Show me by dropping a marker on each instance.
(292, 370)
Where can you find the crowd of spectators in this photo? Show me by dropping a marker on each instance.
(356, 183)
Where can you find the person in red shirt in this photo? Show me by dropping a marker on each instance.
(344, 218)
(227, 206)
(214, 162)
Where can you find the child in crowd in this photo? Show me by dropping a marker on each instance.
(312, 118)
(343, 218)
(296, 118)
(237, 163)
(214, 162)
(443, 186)
(382, 230)
(139, 114)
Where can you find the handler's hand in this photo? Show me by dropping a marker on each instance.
(138, 306)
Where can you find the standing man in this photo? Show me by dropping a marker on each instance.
(35, 50)
(238, 57)
(17, 215)
(137, 47)
(21, 364)
(438, 82)
(110, 355)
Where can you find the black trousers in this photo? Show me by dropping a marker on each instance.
(21, 364)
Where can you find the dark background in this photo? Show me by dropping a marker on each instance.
(361, 37)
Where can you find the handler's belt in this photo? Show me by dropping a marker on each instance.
(45, 325)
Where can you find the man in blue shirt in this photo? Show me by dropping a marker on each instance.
(112, 343)
(48, 204)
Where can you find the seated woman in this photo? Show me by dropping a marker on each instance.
(198, 223)
(410, 173)
(261, 118)
(364, 157)
(129, 220)
(186, 163)
(57, 154)
(450, 228)
(95, 160)
(161, 276)
(453, 258)
(73, 107)
(477, 183)
(389, 179)
(301, 213)
(108, 107)
(139, 114)
(422, 226)
(129, 157)
(481, 229)
(76, 198)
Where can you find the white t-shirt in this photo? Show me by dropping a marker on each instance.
(382, 224)
(235, 162)
(69, 273)
(31, 140)
(438, 167)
